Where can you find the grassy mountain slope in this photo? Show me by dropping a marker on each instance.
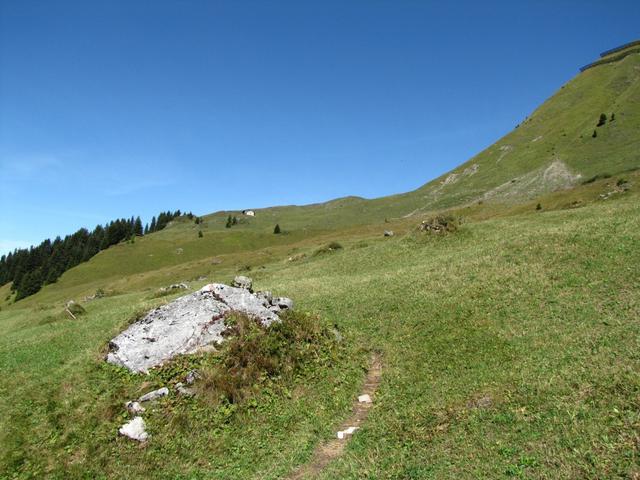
(538, 312)
(534, 311)
(556, 139)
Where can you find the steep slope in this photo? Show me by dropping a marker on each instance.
(554, 148)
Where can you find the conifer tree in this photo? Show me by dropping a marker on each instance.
(602, 120)
(276, 230)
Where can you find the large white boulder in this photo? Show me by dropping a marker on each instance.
(186, 325)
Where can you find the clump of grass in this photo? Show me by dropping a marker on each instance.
(596, 177)
(74, 308)
(253, 356)
(441, 224)
(297, 257)
(164, 292)
(331, 247)
(621, 182)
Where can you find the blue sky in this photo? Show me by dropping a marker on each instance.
(119, 108)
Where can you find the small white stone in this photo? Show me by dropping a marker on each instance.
(134, 430)
(342, 434)
(161, 392)
(134, 407)
(182, 390)
(364, 398)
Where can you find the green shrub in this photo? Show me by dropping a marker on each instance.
(596, 177)
(252, 355)
(331, 247)
(276, 229)
(602, 120)
(440, 224)
(74, 308)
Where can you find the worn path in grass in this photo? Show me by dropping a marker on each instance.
(330, 450)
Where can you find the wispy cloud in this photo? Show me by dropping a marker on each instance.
(28, 166)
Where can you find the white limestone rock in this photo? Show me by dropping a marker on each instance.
(343, 434)
(190, 323)
(242, 300)
(134, 407)
(184, 391)
(180, 327)
(154, 395)
(135, 430)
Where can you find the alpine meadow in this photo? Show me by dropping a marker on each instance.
(491, 317)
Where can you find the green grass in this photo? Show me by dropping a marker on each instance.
(537, 311)
(534, 311)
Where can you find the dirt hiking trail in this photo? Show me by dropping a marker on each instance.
(332, 449)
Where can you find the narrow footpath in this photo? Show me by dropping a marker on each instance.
(332, 449)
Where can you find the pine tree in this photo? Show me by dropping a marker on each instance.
(276, 230)
(602, 120)
(234, 221)
(152, 228)
(30, 284)
(138, 227)
(229, 222)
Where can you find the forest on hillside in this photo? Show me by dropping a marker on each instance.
(29, 269)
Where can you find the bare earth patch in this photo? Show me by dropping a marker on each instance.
(332, 449)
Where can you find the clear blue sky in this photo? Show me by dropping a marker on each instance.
(117, 108)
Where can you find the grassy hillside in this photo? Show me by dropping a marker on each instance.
(535, 312)
(510, 347)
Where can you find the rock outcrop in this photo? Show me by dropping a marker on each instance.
(190, 323)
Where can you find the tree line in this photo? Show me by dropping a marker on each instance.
(30, 269)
